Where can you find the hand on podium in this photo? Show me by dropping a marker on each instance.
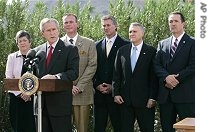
(49, 76)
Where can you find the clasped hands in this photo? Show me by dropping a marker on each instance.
(75, 90)
(105, 88)
(25, 97)
(171, 81)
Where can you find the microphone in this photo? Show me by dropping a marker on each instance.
(38, 57)
(29, 56)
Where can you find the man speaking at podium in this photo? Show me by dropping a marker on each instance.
(62, 62)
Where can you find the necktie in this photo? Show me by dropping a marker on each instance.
(71, 41)
(133, 58)
(108, 47)
(49, 56)
(174, 47)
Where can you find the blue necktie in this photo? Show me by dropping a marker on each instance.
(133, 58)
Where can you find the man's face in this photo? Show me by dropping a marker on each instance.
(109, 28)
(50, 33)
(135, 34)
(176, 26)
(70, 25)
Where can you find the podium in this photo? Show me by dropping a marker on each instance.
(45, 85)
(185, 125)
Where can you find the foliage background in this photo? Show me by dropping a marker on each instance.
(17, 16)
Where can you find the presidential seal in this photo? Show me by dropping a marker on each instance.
(28, 83)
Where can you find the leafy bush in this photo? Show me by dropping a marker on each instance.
(153, 16)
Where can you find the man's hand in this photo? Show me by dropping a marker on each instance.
(171, 81)
(151, 103)
(75, 90)
(49, 76)
(105, 88)
(118, 99)
(25, 97)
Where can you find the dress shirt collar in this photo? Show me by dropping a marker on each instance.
(139, 46)
(111, 39)
(19, 54)
(179, 38)
(53, 45)
(74, 38)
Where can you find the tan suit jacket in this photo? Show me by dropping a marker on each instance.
(87, 69)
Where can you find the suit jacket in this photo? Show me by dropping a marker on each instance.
(182, 63)
(140, 85)
(87, 68)
(64, 63)
(104, 72)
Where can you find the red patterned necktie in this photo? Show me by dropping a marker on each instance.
(174, 47)
(49, 56)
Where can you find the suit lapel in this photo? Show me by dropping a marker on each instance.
(42, 67)
(180, 45)
(168, 47)
(103, 46)
(142, 57)
(128, 58)
(79, 42)
(115, 47)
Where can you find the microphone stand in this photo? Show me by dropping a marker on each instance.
(37, 98)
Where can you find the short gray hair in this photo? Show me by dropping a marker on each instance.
(139, 25)
(109, 17)
(47, 20)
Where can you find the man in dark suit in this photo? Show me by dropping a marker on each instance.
(64, 65)
(134, 84)
(104, 105)
(175, 68)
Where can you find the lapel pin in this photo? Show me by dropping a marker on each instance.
(183, 41)
(144, 53)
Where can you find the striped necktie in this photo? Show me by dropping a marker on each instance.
(174, 47)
